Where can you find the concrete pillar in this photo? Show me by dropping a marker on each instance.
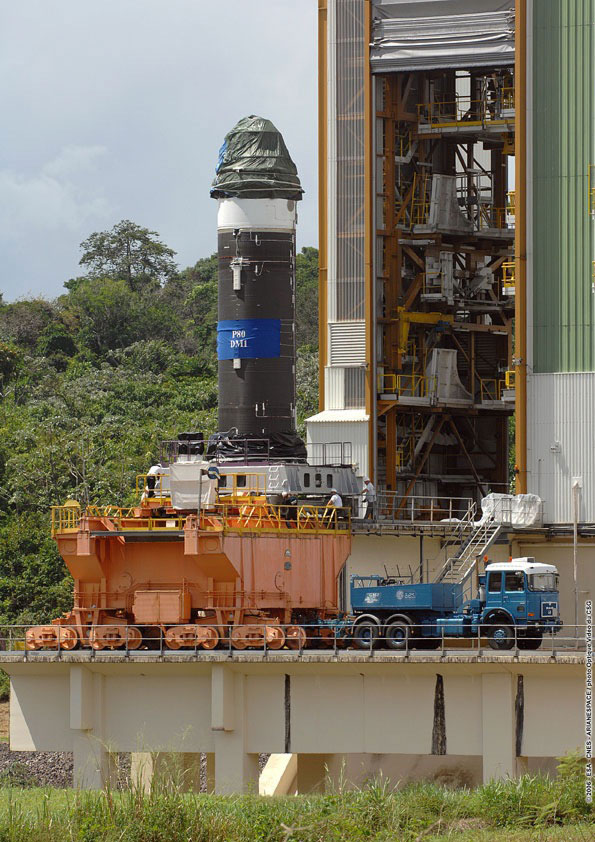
(141, 770)
(498, 725)
(235, 769)
(311, 772)
(279, 776)
(180, 770)
(93, 766)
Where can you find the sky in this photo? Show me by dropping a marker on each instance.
(116, 109)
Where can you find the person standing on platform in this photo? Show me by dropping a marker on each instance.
(369, 496)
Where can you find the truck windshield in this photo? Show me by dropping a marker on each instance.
(543, 581)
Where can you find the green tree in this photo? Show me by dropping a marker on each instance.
(128, 252)
(306, 276)
(22, 322)
(193, 295)
(110, 315)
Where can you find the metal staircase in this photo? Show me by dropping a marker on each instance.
(457, 569)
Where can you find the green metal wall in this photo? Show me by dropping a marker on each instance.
(563, 147)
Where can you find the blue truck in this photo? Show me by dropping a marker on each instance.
(517, 602)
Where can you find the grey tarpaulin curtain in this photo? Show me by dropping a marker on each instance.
(449, 38)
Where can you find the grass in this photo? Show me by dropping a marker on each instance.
(532, 809)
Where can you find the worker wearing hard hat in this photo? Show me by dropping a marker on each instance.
(333, 508)
(335, 499)
(369, 497)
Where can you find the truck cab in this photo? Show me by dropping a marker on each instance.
(521, 594)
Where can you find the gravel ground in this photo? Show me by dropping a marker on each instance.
(35, 768)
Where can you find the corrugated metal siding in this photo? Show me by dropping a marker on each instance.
(356, 432)
(351, 73)
(563, 147)
(561, 433)
(344, 387)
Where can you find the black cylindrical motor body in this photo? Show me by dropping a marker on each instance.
(256, 328)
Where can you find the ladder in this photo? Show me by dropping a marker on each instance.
(457, 569)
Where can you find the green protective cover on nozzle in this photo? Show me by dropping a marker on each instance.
(254, 164)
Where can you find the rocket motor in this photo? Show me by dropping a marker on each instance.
(257, 188)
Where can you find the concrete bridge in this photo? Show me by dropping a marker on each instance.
(476, 715)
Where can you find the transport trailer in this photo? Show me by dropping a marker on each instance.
(517, 601)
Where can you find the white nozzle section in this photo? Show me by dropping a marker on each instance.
(256, 214)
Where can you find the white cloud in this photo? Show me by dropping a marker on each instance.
(54, 198)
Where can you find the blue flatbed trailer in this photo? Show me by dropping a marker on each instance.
(517, 602)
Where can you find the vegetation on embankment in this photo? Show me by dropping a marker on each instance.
(91, 382)
(533, 808)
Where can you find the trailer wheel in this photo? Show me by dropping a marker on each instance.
(365, 634)
(501, 636)
(397, 635)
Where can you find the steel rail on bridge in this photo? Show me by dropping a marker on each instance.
(328, 639)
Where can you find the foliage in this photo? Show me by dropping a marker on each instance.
(130, 253)
(92, 382)
(377, 813)
(306, 281)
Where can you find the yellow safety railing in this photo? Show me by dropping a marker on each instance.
(491, 389)
(412, 385)
(510, 378)
(153, 487)
(250, 515)
(387, 384)
(404, 454)
(420, 203)
(510, 205)
(259, 516)
(508, 274)
(464, 111)
(405, 385)
(491, 217)
(403, 144)
(66, 518)
(242, 484)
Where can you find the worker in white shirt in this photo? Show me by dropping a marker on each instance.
(335, 499)
(369, 496)
(332, 510)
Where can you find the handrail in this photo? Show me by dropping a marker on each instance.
(433, 509)
(405, 385)
(249, 515)
(464, 111)
(152, 487)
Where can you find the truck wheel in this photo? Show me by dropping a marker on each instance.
(365, 634)
(501, 636)
(532, 641)
(397, 635)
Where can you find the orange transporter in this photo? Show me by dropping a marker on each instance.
(240, 573)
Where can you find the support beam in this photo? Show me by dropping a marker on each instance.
(469, 459)
(498, 726)
(520, 269)
(236, 770)
(424, 459)
(93, 766)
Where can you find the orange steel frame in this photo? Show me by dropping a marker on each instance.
(520, 146)
(322, 197)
